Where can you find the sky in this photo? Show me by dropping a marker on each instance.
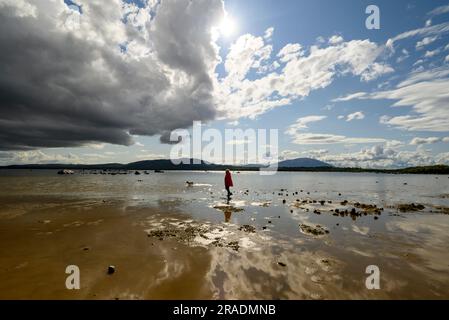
(89, 81)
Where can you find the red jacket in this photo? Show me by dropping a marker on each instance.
(228, 180)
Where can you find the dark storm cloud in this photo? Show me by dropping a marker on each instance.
(65, 84)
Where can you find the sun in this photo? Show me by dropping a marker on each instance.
(227, 26)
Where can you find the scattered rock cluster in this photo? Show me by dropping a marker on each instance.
(410, 207)
(316, 230)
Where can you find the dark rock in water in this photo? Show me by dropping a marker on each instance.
(264, 228)
(368, 208)
(410, 207)
(247, 228)
(322, 202)
(137, 173)
(316, 231)
(282, 264)
(284, 201)
(376, 217)
(339, 194)
(234, 245)
(269, 221)
(111, 269)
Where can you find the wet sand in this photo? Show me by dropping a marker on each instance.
(190, 243)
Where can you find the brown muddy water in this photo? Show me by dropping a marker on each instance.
(287, 236)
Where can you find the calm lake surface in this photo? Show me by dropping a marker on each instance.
(285, 236)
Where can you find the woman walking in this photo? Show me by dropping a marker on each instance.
(228, 182)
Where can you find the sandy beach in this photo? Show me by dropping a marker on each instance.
(188, 242)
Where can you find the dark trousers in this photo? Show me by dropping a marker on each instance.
(229, 192)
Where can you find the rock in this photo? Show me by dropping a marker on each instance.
(234, 245)
(247, 228)
(282, 264)
(368, 208)
(284, 201)
(410, 207)
(316, 231)
(111, 269)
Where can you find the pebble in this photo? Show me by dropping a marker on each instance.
(282, 264)
(111, 269)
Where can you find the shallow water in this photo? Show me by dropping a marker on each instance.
(59, 214)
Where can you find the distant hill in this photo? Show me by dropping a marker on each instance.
(303, 163)
(164, 164)
(300, 164)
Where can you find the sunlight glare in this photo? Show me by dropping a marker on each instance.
(227, 26)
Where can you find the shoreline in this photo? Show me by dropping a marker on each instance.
(426, 170)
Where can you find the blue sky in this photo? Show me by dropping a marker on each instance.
(366, 130)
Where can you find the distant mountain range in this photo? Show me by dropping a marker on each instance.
(299, 164)
(303, 163)
(164, 164)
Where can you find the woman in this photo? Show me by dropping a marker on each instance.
(228, 182)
